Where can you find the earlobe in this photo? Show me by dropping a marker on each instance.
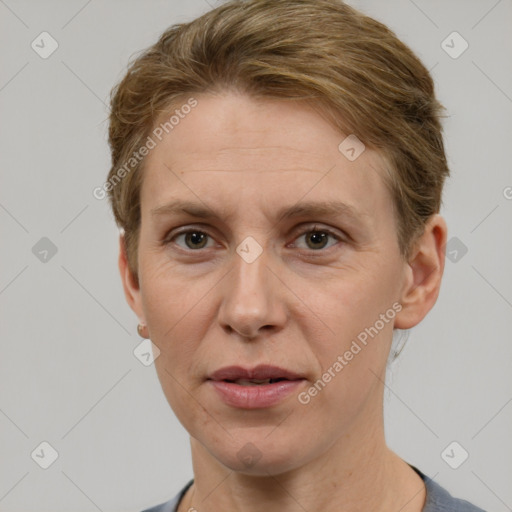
(130, 283)
(423, 274)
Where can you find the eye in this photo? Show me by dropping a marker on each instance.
(317, 238)
(193, 238)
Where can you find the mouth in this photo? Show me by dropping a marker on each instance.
(255, 382)
(255, 376)
(254, 388)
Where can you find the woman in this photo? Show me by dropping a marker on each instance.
(277, 172)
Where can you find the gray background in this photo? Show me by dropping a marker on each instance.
(68, 373)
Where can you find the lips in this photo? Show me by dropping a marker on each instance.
(258, 375)
(259, 387)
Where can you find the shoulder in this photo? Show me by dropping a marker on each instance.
(172, 504)
(438, 499)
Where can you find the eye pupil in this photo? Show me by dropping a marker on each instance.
(318, 237)
(196, 238)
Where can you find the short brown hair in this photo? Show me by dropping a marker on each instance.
(350, 67)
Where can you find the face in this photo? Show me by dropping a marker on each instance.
(255, 272)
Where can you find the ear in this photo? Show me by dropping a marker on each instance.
(130, 283)
(423, 274)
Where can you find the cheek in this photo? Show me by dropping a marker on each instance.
(349, 380)
(349, 305)
(355, 341)
(172, 306)
(169, 297)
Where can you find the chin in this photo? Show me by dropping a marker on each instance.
(259, 458)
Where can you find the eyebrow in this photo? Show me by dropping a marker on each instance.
(301, 209)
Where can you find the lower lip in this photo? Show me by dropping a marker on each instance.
(255, 397)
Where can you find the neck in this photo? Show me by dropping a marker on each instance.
(357, 473)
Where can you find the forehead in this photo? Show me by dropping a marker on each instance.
(259, 154)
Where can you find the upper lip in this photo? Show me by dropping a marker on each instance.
(260, 372)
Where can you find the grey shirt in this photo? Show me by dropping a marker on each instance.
(438, 499)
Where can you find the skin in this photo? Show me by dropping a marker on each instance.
(299, 305)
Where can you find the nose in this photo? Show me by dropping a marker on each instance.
(252, 299)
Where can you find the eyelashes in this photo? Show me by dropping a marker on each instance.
(199, 238)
